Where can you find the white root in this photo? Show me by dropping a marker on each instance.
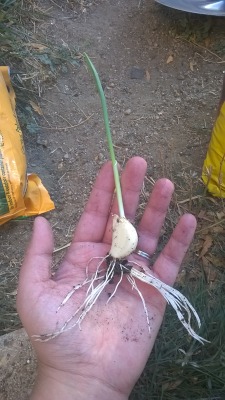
(173, 297)
(178, 301)
(71, 293)
(85, 307)
(124, 238)
(124, 242)
(116, 287)
(134, 286)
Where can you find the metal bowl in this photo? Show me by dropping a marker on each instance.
(197, 6)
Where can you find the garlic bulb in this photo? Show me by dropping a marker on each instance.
(124, 238)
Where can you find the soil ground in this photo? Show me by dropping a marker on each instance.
(162, 92)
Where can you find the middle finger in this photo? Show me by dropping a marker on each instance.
(131, 182)
(154, 215)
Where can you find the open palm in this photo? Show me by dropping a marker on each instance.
(113, 343)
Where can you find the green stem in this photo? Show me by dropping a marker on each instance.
(108, 134)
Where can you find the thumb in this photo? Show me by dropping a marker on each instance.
(38, 258)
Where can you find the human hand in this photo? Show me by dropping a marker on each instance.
(105, 358)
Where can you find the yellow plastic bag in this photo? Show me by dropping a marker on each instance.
(213, 173)
(20, 194)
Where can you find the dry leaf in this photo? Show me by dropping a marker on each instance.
(181, 277)
(217, 229)
(210, 273)
(172, 385)
(203, 215)
(35, 107)
(37, 46)
(220, 215)
(205, 262)
(204, 230)
(211, 213)
(216, 261)
(215, 201)
(208, 241)
(169, 59)
(207, 42)
(147, 73)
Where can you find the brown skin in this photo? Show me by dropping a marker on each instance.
(106, 357)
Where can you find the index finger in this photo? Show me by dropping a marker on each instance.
(91, 226)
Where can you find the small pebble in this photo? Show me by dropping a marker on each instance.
(137, 73)
(60, 165)
(42, 142)
(100, 156)
(127, 112)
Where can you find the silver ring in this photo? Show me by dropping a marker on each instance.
(143, 254)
